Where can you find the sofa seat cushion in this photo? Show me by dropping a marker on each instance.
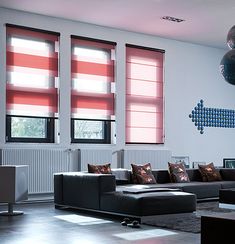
(145, 204)
(203, 189)
(200, 189)
(227, 184)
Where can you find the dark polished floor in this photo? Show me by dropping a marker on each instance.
(41, 223)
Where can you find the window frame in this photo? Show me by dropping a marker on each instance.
(107, 123)
(107, 132)
(50, 131)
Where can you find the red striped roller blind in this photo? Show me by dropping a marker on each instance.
(93, 85)
(32, 72)
(144, 95)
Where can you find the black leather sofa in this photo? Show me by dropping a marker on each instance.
(113, 193)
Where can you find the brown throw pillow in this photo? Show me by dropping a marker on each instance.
(100, 168)
(209, 172)
(142, 174)
(178, 172)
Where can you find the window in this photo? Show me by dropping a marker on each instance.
(32, 85)
(144, 95)
(93, 89)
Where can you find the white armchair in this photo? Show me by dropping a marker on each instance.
(13, 186)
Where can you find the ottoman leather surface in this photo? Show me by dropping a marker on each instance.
(151, 203)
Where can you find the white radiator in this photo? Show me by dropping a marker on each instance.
(43, 163)
(94, 156)
(158, 158)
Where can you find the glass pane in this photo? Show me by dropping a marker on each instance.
(28, 127)
(84, 129)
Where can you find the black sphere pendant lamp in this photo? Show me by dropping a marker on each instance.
(227, 64)
(231, 38)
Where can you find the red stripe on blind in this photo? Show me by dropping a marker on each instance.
(92, 68)
(22, 32)
(30, 96)
(95, 101)
(33, 61)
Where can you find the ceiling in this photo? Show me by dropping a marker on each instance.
(207, 22)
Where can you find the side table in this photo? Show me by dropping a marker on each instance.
(227, 198)
(217, 229)
(13, 186)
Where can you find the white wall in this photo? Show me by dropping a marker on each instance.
(191, 73)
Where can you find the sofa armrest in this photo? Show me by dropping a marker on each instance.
(83, 190)
(58, 188)
(227, 174)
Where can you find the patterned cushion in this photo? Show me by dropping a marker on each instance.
(209, 172)
(142, 174)
(100, 169)
(178, 172)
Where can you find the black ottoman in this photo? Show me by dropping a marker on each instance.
(149, 203)
(227, 198)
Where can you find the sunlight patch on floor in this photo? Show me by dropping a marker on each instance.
(145, 234)
(82, 220)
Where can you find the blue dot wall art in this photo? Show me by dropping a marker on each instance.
(212, 117)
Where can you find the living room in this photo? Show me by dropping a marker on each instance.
(189, 51)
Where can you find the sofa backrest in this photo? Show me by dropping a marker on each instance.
(161, 176)
(194, 174)
(123, 176)
(227, 173)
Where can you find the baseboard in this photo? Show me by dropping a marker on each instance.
(208, 199)
(227, 205)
